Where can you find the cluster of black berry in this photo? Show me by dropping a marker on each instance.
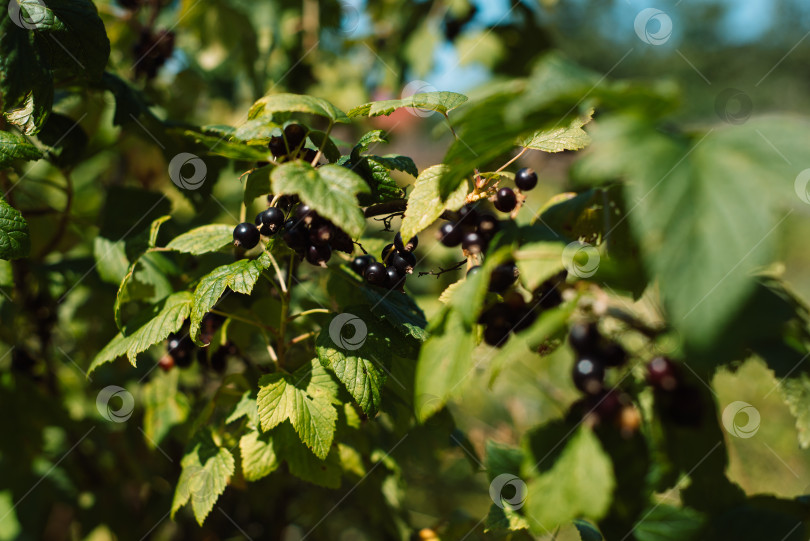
(397, 262)
(308, 234)
(515, 314)
(678, 401)
(506, 198)
(469, 228)
(180, 347)
(151, 51)
(594, 354)
(290, 145)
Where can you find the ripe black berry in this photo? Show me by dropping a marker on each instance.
(614, 354)
(403, 261)
(375, 274)
(584, 338)
(322, 234)
(474, 243)
(294, 235)
(473, 270)
(526, 179)
(410, 246)
(258, 219)
(309, 154)
(497, 315)
(505, 200)
(246, 235)
(488, 225)
(342, 242)
(495, 335)
(277, 146)
(180, 347)
(450, 235)
(305, 214)
(273, 218)
(295, 135)
(662, 374)
(468, 218)
(589, 375)
(394, 278)
(361, 262)
(502, 277)
(319, 254)
(387, 252)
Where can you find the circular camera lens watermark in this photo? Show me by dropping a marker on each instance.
(426, 405)
(418, 87)
(28, 14)
(501, 487)
(182, 179)
(653, 26)
(124, 411)
(800, 186)
(349, 18)
(750, 428)
(338, 334)
(733, 106)
(581, 259)
(194, 478)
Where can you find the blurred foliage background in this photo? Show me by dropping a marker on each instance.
(57, 308)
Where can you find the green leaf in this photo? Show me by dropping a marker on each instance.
(167, 319)
(690, 191)
(164, 407)
(587, 531)
(240, 277)
(259, 458)
(330, 190)
(445, 361)
(296, 103)
(539, 261)
(14, 239)
(397, 162)
(201, 240)
(425, 203)
(257, 183)
(305, 399)
(368, 139)
(796, 394)
(111, 259)
(396, 308)
(441, 102)
(75, 38)
(667, 523)
(207, 468)
(258, 129)
(219, 145)
(302, 463)
(359, 358)
(16, 147)
(580, 484)
(246, 407)
(26, 83)
(154, 229)
(558, 139)
(330, 149)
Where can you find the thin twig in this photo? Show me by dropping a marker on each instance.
(455, 267)
(307, 312)
(513, 160)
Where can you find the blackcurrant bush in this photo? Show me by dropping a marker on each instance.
(502, 277)
(526, 179)
(322, 234)
(584, 337)
(662, 374)
(246, 235)
(495, 335)
(375, 274)
(387, 252)
(319, 254)
(474, 243)
(505, 200)
(589, 375)
(295, 135)
(361, 262)
(488, 225)
(403, 261)
(450, 234)
(410, 246)
(394, 278)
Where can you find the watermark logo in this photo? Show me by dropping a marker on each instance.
(338, 331)
(733, 106)
(184, 160)
(124, 411)
(653, 26)
(750, 428)
(800, 186)
(28, 14)
(418, 87)
(501, 487)
(349, 18)
(581, 259)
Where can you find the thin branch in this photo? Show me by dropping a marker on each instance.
(302, 337)
(245, 320)
(308, 312)
(441, 271)
(513, 160)
(279, 275)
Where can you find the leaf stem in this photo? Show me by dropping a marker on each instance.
(307, 312)
(302, 337)
(279, 274)
(323, 144)
(513, 160)
(245, 320)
